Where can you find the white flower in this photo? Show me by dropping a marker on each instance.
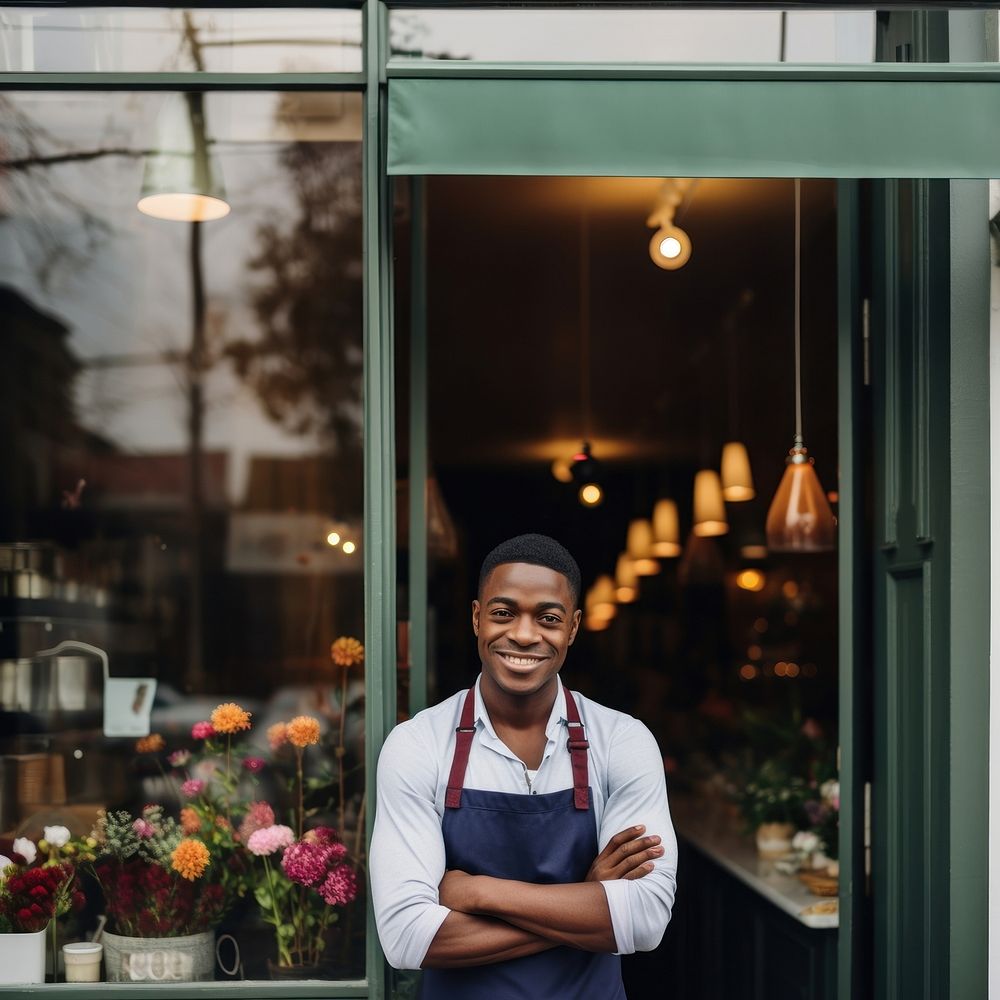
(805, 842)
(26, 849)
(57, 836)
(5, 863)
(830, 790)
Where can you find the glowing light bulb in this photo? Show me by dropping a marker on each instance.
(591, 494)
(333, 538)
(348, 547)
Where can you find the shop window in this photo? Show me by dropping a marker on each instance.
(181, 558)
(102, 39)
(634, 36)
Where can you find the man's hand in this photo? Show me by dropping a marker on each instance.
(628, 855)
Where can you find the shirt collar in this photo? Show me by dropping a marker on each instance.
(557, 717)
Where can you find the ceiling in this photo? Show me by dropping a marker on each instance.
(679, 361)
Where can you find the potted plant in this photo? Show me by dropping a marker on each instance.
(771, 801)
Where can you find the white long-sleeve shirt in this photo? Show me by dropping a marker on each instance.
(407, 859)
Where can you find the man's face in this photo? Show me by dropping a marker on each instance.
(525, 621)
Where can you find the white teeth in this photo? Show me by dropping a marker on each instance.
(520, 661)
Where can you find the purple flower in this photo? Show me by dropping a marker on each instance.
(179, 758)
(340, 886)
(253, 764)
(192, 788)
(269, 839)
(202, 730)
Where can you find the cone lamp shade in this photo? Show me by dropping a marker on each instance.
(182, 179)
(626, 580)
(737, 479)
(639, 546)
(666, 530)
(604, 598)
(800, 518)
(709, 506)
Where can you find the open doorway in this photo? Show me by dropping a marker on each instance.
(549, 325)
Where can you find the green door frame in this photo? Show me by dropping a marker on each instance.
(965, 794)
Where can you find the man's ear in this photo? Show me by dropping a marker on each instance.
(577, 616)
(475, 618)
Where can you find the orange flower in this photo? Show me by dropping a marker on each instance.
(277, 735)
(190, 859)
(230, 718)
(303, 731)
(190, 821)
(347, 652)
(150, 744)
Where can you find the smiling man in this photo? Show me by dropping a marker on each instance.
(522, 837)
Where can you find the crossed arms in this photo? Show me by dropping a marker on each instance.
(494, 919)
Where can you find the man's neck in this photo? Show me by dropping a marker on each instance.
(521, 712)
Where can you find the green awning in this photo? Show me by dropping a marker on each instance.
(696, 127)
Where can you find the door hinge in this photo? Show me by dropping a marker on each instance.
(866, 340)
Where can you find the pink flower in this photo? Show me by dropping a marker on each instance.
(143, 828)
(179, 758)
(340, 886)
(259, 815)
(269, 839)
(202, 730)
(253, 764)
(192, 788)
(308, 861)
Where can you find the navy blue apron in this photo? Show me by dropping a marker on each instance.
(544, 839)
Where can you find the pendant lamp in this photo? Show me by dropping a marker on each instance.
(626, 580)
(737, 479)
(182, 179)
(799, 519)
(604, 602)
(639, 546)
(709, 507)
(666, 530)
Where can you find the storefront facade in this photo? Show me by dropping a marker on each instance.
(913, 276)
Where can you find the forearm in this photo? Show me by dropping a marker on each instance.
(575, 914)
(465, 939)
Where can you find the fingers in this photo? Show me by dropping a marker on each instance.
(639, 872)
(619, 840)
(635, 851)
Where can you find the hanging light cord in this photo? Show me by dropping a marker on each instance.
(585, 319)
(798, 310)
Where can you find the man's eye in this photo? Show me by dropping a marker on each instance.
(550, 619)
(501, 613)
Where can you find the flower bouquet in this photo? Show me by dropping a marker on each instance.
(37, 885)
(771, 800)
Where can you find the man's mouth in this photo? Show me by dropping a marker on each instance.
(521, 659)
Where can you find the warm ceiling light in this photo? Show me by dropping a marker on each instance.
(333, 538)
(591, 495)
(754, 551)
(666, 530)
(709, 507)
(603, 596)
(561, 470)
(670, 248)
(348, 547)
(751, 579)
(626, 580)
(592, 624)
(182, 179)
(799, 518)
(737, 480)
(639, 546)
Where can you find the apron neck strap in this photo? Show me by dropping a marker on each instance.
(577, 745)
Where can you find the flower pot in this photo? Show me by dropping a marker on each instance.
(774, 840)
(22, 957)
(190, 958)
(291, 972)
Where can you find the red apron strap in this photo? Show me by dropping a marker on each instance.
(463, 745)
(578, 747)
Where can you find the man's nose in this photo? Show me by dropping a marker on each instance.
(525, 631)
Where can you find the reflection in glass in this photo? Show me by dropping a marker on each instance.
(182, 416)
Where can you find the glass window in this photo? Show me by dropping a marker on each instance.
(181, 564)
(98, 39)
(634, 36)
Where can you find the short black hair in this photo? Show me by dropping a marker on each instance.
(538, 550)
